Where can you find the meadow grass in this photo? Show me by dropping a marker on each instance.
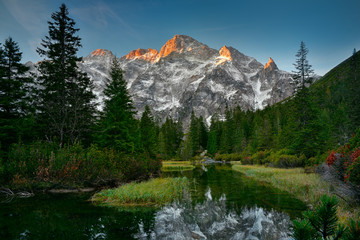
(308, 187)
(169, 166)
(155, 192)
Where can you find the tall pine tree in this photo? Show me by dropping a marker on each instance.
(304, 71)
(14, 97)
(67, 107)
(304, 110)
(117, 127)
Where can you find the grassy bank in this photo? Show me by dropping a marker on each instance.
(155, 192)
(168, 166)
(308, 187)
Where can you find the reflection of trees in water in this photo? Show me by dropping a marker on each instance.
(212, 220)
(69, 217)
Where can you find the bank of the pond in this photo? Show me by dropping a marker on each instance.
(168, 166)
(155, 192)
(308, 187)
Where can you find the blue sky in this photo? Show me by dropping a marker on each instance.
(261, 29)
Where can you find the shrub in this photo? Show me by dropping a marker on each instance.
(355, 140)
(228, 157)
(261, 157)
(73, 164)
(284, 160)
(330, 160)
(248, 160)
(353, 172)
(345, 160)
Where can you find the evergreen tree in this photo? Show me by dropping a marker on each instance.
(148, 131)
(354, 64)
(304, 71)
(304, 111)
(203, 133)
(14, 94)
(193, 135)
(354, 91)
(214, 135)
(321, 223)
(227, 137)
(197, 134)
(170, 138)
(238, 116)
(67, 106)
(117, 126)
(265, 134)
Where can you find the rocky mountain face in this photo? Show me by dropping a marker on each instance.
(187, 75)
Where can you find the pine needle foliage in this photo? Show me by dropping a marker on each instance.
(67, 107)
(117, 125)
(320, 223)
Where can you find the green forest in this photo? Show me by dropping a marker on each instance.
(52, 133)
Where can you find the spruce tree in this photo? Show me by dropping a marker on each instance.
(67, 100)
(194, 136)
(14, 94)
(214, 136)
(117, 126)
(321, 223)
(148, 131)
(203, 133)
(170, 138)
(227, 137)
(304, 115)
(304, 71)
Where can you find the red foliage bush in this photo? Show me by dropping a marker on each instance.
(346, 161)
(355, 154)
(330, 160)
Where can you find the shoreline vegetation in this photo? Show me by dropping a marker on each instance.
(154, 192)
(171, 166)
(307, 187)
(45, 166)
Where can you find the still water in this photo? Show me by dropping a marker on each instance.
(221, 204)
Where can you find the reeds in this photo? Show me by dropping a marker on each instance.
(155, 192)
(308, 187)
(169, 166)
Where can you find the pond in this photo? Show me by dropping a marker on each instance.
(221, 204)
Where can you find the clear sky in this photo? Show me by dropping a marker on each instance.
(257, 28)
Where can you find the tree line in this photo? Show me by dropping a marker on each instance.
(58, 106)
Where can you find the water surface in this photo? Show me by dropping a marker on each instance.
(221, 204)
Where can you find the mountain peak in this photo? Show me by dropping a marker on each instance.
(144, 54)
(179, 44)
(176, 44)
(270, 64)
(225, 55)
(98, 52)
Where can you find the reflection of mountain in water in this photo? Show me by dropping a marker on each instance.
(211, 220)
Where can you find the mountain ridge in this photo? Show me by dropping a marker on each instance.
(186, 75)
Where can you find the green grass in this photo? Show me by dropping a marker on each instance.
(169, 166)
(308, 187)
(155, 192)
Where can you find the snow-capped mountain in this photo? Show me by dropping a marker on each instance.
(187, 75)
